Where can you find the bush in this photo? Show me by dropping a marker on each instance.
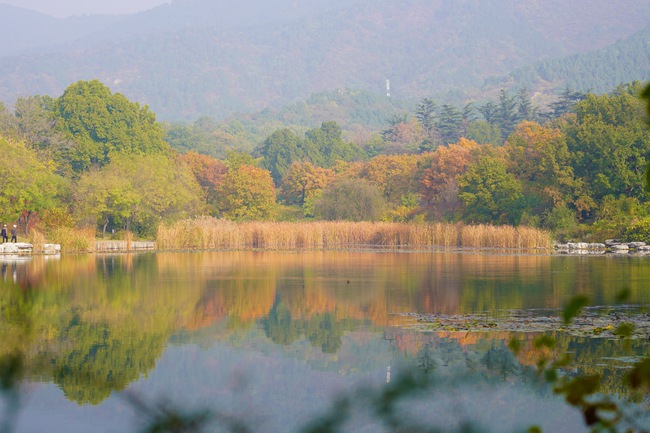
(639, 231)
(561, 221)
(351, 200)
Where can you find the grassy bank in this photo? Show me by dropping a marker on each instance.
(211, 233)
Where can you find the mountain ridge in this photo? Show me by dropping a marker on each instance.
(200, 66)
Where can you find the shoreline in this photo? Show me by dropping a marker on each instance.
(22, 249)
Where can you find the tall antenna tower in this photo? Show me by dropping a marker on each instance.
(388, 88)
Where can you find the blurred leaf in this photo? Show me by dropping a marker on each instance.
(574, 307)
(639, 376)
(577, 389)
(515, 346)
(11, 369)
(625, 330)
(623, 295)
(544, 341)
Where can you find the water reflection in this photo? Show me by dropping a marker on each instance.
(94, 325)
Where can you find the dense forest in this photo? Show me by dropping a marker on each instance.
(92, 157)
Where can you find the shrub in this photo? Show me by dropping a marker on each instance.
(639, 231)
(351, 200)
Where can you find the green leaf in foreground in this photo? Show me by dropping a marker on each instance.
(624, 330)
(639, 376)
(574, 307)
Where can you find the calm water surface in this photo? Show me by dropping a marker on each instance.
(273, 338)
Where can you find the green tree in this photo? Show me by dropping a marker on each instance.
(28, 186)
(490, 194)
(646, 95)
(507, 115)
(610, 145)
(102, 124)
(566, 102)
(483, 132)
(352, 200)
(138, 193)
(281, 149)
(449, 124)
(328, 141)
(426, 114)
(490, 112)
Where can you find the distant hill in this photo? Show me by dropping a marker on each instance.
(209, 57)
(22, 30)
(597, 71)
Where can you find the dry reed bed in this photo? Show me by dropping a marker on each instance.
(214, 234)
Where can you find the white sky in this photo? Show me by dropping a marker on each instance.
(66, 8)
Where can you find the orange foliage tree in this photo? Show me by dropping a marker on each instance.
(439, 180)
(208, 171)
(393, 174)
(303, 181)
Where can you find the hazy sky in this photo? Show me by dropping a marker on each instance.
(66, 8)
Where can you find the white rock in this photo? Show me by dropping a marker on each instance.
(51, 248)
(9, 248)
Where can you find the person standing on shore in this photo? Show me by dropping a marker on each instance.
(14, 234)
(3, 233)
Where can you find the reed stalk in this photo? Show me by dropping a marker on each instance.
(207, 233)
(74, 240)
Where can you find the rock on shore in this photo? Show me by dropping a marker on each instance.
(25, 248)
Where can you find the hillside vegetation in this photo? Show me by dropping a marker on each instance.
(194, 58)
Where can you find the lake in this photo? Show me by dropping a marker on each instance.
(275, 338)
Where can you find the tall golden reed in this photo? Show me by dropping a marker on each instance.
(74, 240)
(207, 233)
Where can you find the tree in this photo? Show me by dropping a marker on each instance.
(394, 175)
(483, 132)
(439, 180)
(566, 102)
(426, 114)
(352, 200)
(247, 193)
(235, 159)
(610, 144)
(138, 193)
(449, 124)
(102, 124)
(209, 173)
(328, 141)
(281, 149)
(304, 181)
(490, 194)
(539, 157)
(28, 186)
(403, 135)
(490, 112)
(507, 116)
(525, 109)
(646, 95)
